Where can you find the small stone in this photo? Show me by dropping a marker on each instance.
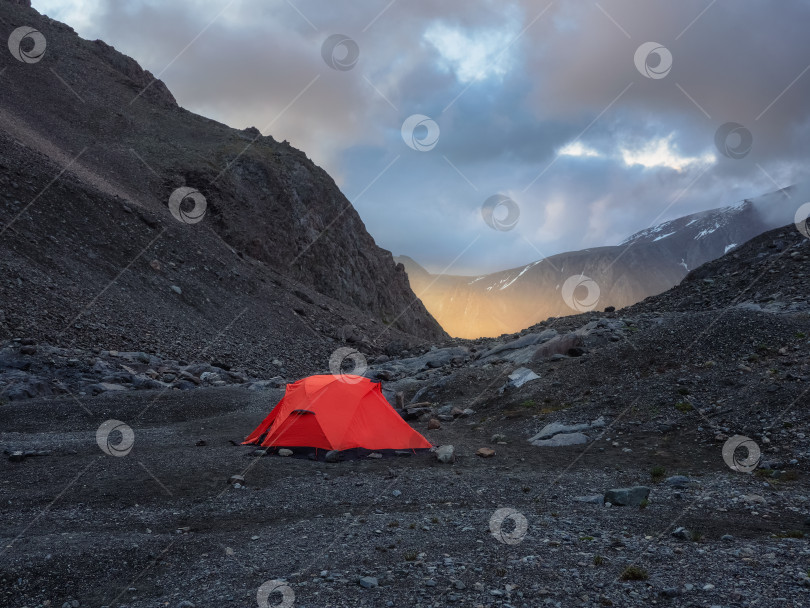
(28, 349)
(155, 265)
(396, 493)
(681, 533)
(727, 537)
(236, 479)
(708, 587)
(332, 456)
(375, 455)
(434, 425)
(176, 289)
(201, 443)
(285, 452)
(211, 377)
(498, 438)
(485, 452)
(446, 454)
(368, 582)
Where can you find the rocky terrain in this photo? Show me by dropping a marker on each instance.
(657, 454)
(608, 454)
(646, 263)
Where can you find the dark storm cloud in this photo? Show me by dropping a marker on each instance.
(548, 74)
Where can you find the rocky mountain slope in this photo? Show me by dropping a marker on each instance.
(92, 148)
(647, 263)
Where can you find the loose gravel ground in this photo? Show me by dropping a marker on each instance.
(161, 526)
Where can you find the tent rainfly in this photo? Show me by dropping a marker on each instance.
(335, 412)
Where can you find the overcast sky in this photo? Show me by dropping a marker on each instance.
(560, 106)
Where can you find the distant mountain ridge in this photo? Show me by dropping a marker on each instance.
(646, 263)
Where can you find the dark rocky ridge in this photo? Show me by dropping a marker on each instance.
(125, 140)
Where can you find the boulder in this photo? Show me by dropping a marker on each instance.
(559, 345)
(521, 350)
(627, 497)
(519, 377)
(446, 454)
(561, 440)
(555, 428)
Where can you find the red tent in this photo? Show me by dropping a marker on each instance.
(335, 412)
